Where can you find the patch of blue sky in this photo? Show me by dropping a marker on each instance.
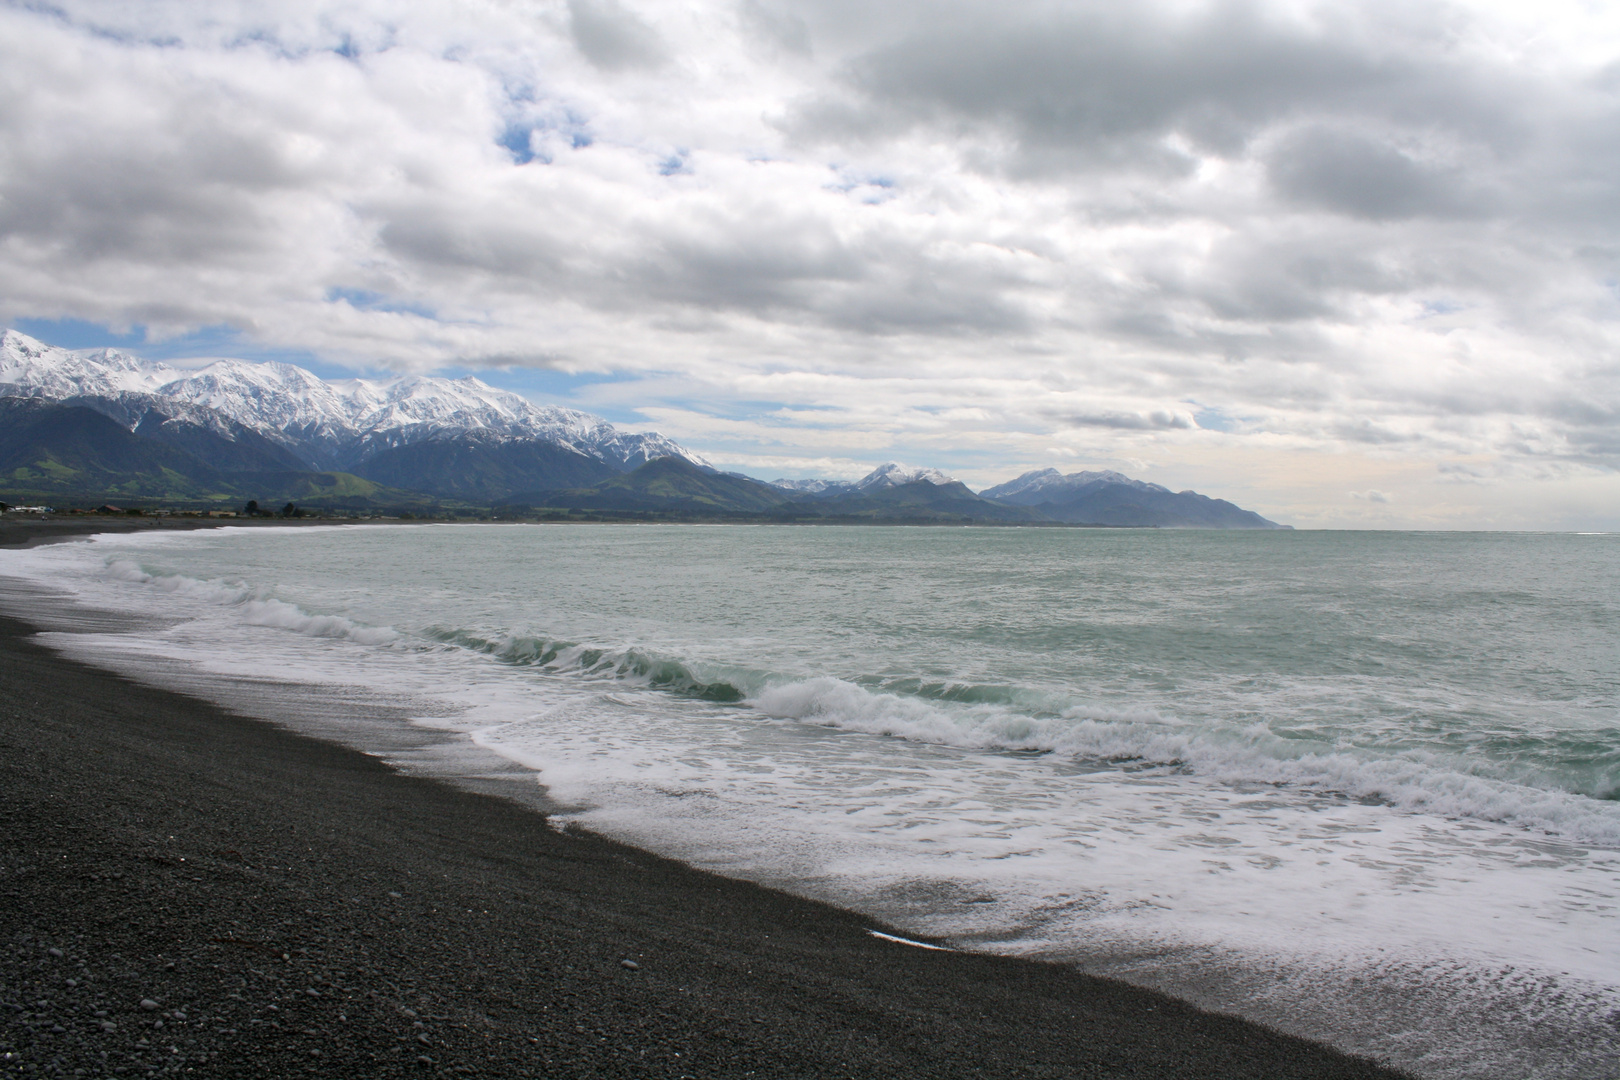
(78, 334)
(518, 139)
(1214, 420)
(676, 164)
(871, 189)
(1431, 308)
(364, 300)
(531, 119)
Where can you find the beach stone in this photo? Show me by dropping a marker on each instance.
(631, 964)
(424, 1060)
(149, 1005)
(54, 952)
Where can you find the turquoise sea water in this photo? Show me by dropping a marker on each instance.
(1335, 781)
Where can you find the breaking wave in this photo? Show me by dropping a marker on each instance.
(1417, 782)
(256, 606)
(982, 717)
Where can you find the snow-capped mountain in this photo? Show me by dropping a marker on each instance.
(1043, 484)
(890, 474)
(813, 487)
(30, 368)
(893, 474)
(325, 423)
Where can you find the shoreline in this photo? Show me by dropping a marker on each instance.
(30, 532)
(307, 907)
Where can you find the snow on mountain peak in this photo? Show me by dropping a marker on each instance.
(893, 474)
(31, 368)
(810, 487)
(325, 422)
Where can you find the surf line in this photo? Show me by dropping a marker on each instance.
(908, 941)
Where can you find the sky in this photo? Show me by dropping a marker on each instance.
(1352, 265)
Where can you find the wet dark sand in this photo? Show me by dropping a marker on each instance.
(290, 907)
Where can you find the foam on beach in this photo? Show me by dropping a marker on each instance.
(1216, 856)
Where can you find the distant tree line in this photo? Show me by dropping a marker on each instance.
(253, 509)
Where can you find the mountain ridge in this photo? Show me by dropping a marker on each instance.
(234, 426)
(325, 423)
(1111, 498)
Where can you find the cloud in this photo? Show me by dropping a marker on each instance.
(1158, 420)
(612, 37)
(963, 232)
(1350, 172)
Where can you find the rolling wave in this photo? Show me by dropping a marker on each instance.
(982, 717)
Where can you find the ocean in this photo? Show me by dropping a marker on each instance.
(1363, 787)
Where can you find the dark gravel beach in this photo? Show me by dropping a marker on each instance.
(184, 890)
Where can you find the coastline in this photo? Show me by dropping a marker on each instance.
(27, 532)
(224, 867)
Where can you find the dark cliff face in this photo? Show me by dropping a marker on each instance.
(53, 448)
(664, 484)
(483, 470)
(64, 450)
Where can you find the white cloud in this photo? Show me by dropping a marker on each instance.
(981, 236)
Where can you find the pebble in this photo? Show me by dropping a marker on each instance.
(54, 952)
(149, 1005)
(631, 964)
(424, 1060)
(312, 992)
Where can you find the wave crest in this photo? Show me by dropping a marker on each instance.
(1249, 756)
(256, 606)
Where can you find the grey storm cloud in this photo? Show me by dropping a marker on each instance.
(1094, 85)
(1352, 173)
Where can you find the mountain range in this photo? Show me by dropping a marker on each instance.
(102, 423)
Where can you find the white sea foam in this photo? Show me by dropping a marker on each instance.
(1181, 849)
(253, 605)
(1412, 781)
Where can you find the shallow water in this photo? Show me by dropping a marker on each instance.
(1360, 786)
